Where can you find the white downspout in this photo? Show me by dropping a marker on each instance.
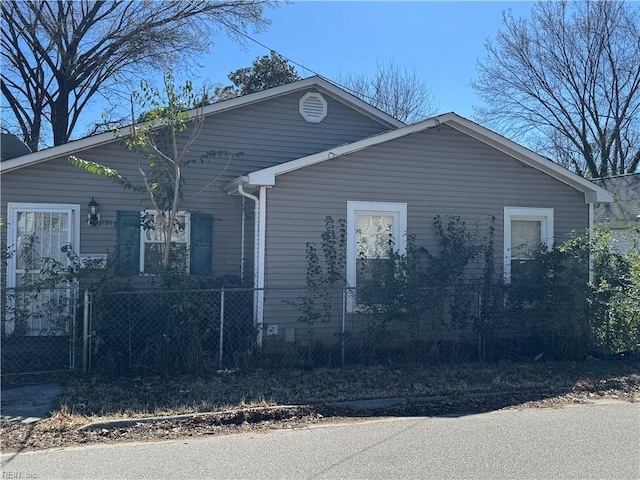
(262, 242)
(591, 238)
(242, 259)
(258, 256)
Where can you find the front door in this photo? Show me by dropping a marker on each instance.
(37, 232)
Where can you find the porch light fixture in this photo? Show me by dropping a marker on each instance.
(93, 217)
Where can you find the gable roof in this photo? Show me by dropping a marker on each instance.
(593, 193)
(317, 82)
(626, 208)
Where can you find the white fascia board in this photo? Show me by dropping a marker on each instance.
(356, 103)
(315, 81)
(232, 186)
(261, 179)
(267, 176)
(249, 186)
(59, 151)
(71, 147)
(593, 193)
(107, 137)
(257, 97)
(598, 196)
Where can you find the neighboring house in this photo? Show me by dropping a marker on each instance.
(622, 214)
(12, 147)
(310, 150)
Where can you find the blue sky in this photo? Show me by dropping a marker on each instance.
(441, 40)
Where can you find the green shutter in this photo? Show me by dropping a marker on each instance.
(128, 243)
(201, 244)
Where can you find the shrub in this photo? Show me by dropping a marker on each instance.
(615, 293)
(458, 289)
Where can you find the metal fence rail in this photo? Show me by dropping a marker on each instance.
(191, 331)
(169, 331)
(187, 331)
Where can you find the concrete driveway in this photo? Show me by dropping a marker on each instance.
(28, 404)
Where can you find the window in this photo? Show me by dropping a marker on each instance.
(373, 229)
(152, 241)
(140, 244)
(525, 230)
(36, 231)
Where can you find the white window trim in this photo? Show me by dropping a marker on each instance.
(545, 215)
(187, 237)
(12, 224)
(399, 210)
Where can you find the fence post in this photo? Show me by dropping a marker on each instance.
(85, 333)
(221, 326)
(73, 326)
(344, 315)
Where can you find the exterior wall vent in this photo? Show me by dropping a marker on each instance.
(313, 107)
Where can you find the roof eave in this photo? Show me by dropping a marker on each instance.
(100, 139)
(598, 196)
(593, 193)
(59, 151)
(267, 176)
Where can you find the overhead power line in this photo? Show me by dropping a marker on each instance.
(290, 60)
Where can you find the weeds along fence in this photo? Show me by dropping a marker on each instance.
(191, 331)
(163, 331)
(39, 329)
(188, 331)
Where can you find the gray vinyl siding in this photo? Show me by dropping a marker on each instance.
(265, 133)
(435, 172)
(273, 132)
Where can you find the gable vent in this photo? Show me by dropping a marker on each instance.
(313, 107)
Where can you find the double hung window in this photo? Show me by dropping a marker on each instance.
(526, 231)
(374, 230)
(140, 243)
(152, 241)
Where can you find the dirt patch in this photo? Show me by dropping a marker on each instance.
(54, 432)
(232, 404)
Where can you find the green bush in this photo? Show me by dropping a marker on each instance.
(457, 288)
(615, 293)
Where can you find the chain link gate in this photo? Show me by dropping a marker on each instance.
(39, 329)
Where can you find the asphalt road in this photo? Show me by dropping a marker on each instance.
(599, 441)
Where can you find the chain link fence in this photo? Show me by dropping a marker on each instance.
(192, 331)
(324, 327)
(189, 331)
(39, 329)
(164, 331)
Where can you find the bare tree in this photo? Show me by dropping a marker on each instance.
(161, 155)
(161, 142)
(400, 92)
(567, 80)
(58, 55)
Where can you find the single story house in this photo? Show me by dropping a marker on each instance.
(309, 150)
(624, 212)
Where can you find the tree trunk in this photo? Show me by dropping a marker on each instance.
(60, 117)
